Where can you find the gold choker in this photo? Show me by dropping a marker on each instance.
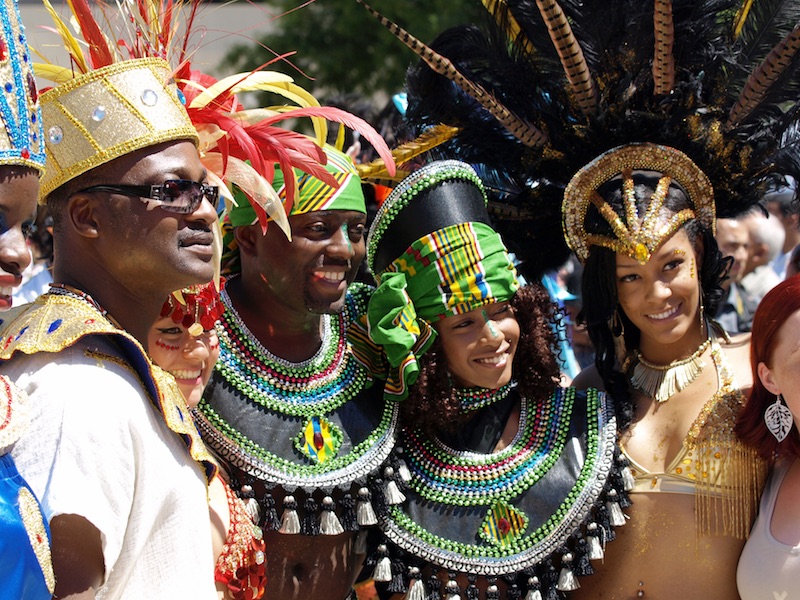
(661, 382)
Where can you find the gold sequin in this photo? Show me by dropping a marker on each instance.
(37, 534)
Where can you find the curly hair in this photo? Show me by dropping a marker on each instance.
(599, 282)
(432, 405)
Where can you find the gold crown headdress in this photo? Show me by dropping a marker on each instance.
(21, 137)
(107, 105)
(637, 236)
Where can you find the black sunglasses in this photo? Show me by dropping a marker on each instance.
(174, 195)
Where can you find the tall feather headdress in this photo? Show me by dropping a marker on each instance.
(716, 80)
(237, 145)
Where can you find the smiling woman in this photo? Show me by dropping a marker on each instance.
(512, 482)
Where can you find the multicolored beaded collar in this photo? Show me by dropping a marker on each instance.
(534, 513)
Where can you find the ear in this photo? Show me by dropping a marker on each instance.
(81, 214)
(245, 237)
(767, 379)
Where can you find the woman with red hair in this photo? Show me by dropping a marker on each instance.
(770, 561)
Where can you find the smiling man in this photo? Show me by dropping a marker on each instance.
(112, 453)
(290, 408)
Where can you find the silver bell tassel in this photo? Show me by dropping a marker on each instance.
(383, 568)
(533, 589)
(628, 482)
(594, 547)
(328, 522)
(391, 491)
(615, 515)
(403, 472)
(416, 590)
(567, 581)
(365, 514)
(451, 591)
(250, 503)
(290, 523)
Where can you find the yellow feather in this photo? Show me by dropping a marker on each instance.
(741, 17)
(54, 73)
(513, 31)
(70, 41)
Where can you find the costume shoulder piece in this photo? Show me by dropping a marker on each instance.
(55, 322)
(315, 425)
(532, 515)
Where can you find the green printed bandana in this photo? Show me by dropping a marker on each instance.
(313, 195)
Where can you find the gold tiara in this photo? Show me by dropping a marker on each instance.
(109, 112)
(638, 236)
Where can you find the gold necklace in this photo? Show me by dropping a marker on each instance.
(661, 382)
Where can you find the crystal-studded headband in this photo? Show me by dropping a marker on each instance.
(107, 113)
(21, 136)
(638, 237)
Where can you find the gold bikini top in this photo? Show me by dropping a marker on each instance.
(713, 463)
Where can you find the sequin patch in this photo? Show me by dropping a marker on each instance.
(34, 526)
(54, 325)
(503, 524)
(319, 440)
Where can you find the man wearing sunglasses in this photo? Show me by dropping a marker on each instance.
(298, 419)
(113, 453)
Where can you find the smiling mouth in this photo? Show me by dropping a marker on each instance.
(664, 315)
(6, 290)
(185, 374)
(331, 275)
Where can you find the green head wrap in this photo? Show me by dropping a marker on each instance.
(434, 255)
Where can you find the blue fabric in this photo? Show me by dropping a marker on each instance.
(21, 576)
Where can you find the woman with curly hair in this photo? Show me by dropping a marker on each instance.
(502, 484)
(641, 218)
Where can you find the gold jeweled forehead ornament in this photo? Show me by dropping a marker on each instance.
(637, 236)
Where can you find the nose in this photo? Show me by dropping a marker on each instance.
(204, 213)
(490, 332)
(341, 246)
(15, 256)
(659, 290)
(196, 348)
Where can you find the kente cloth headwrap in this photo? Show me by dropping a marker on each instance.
(637, 236)
(453, 262)
(313, 194)
(21, 135)
(197, 307)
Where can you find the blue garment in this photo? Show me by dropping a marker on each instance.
(21, 576)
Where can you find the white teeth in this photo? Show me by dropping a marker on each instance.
(494, 360)
(186, 374)
(665, 314)
(335, 276)
(6, 290)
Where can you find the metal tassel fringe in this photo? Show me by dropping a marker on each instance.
(328, 522)
(383, 568)
(416, 591)
(567, 581)
(403, 472)
(290, 523)
(391, 491)
(534, 592)
(452, 591)
(594, 547)
(364, 511)
(250, 503)
(615, 515)
(661, 382)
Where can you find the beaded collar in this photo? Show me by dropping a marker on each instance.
(549, 500)
(472, 399)
(314, 386)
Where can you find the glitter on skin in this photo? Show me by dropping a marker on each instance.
(489, 322)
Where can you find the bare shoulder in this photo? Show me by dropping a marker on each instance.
(588, 378)
(738, 355)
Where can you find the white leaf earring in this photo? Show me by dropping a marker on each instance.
(778, 419)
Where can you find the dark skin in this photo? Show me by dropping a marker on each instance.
(284, 289)
(128, 259)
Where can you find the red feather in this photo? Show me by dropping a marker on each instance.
(99, 52)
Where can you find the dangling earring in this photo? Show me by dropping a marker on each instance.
(702, 314)
(778, 419)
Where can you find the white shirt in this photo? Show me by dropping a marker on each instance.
(768, 569)
(98, 448)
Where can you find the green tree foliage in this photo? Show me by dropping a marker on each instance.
(343, 48)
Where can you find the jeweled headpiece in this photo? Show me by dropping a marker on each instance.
(21, 137)
(637, 235)
(197, 307)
